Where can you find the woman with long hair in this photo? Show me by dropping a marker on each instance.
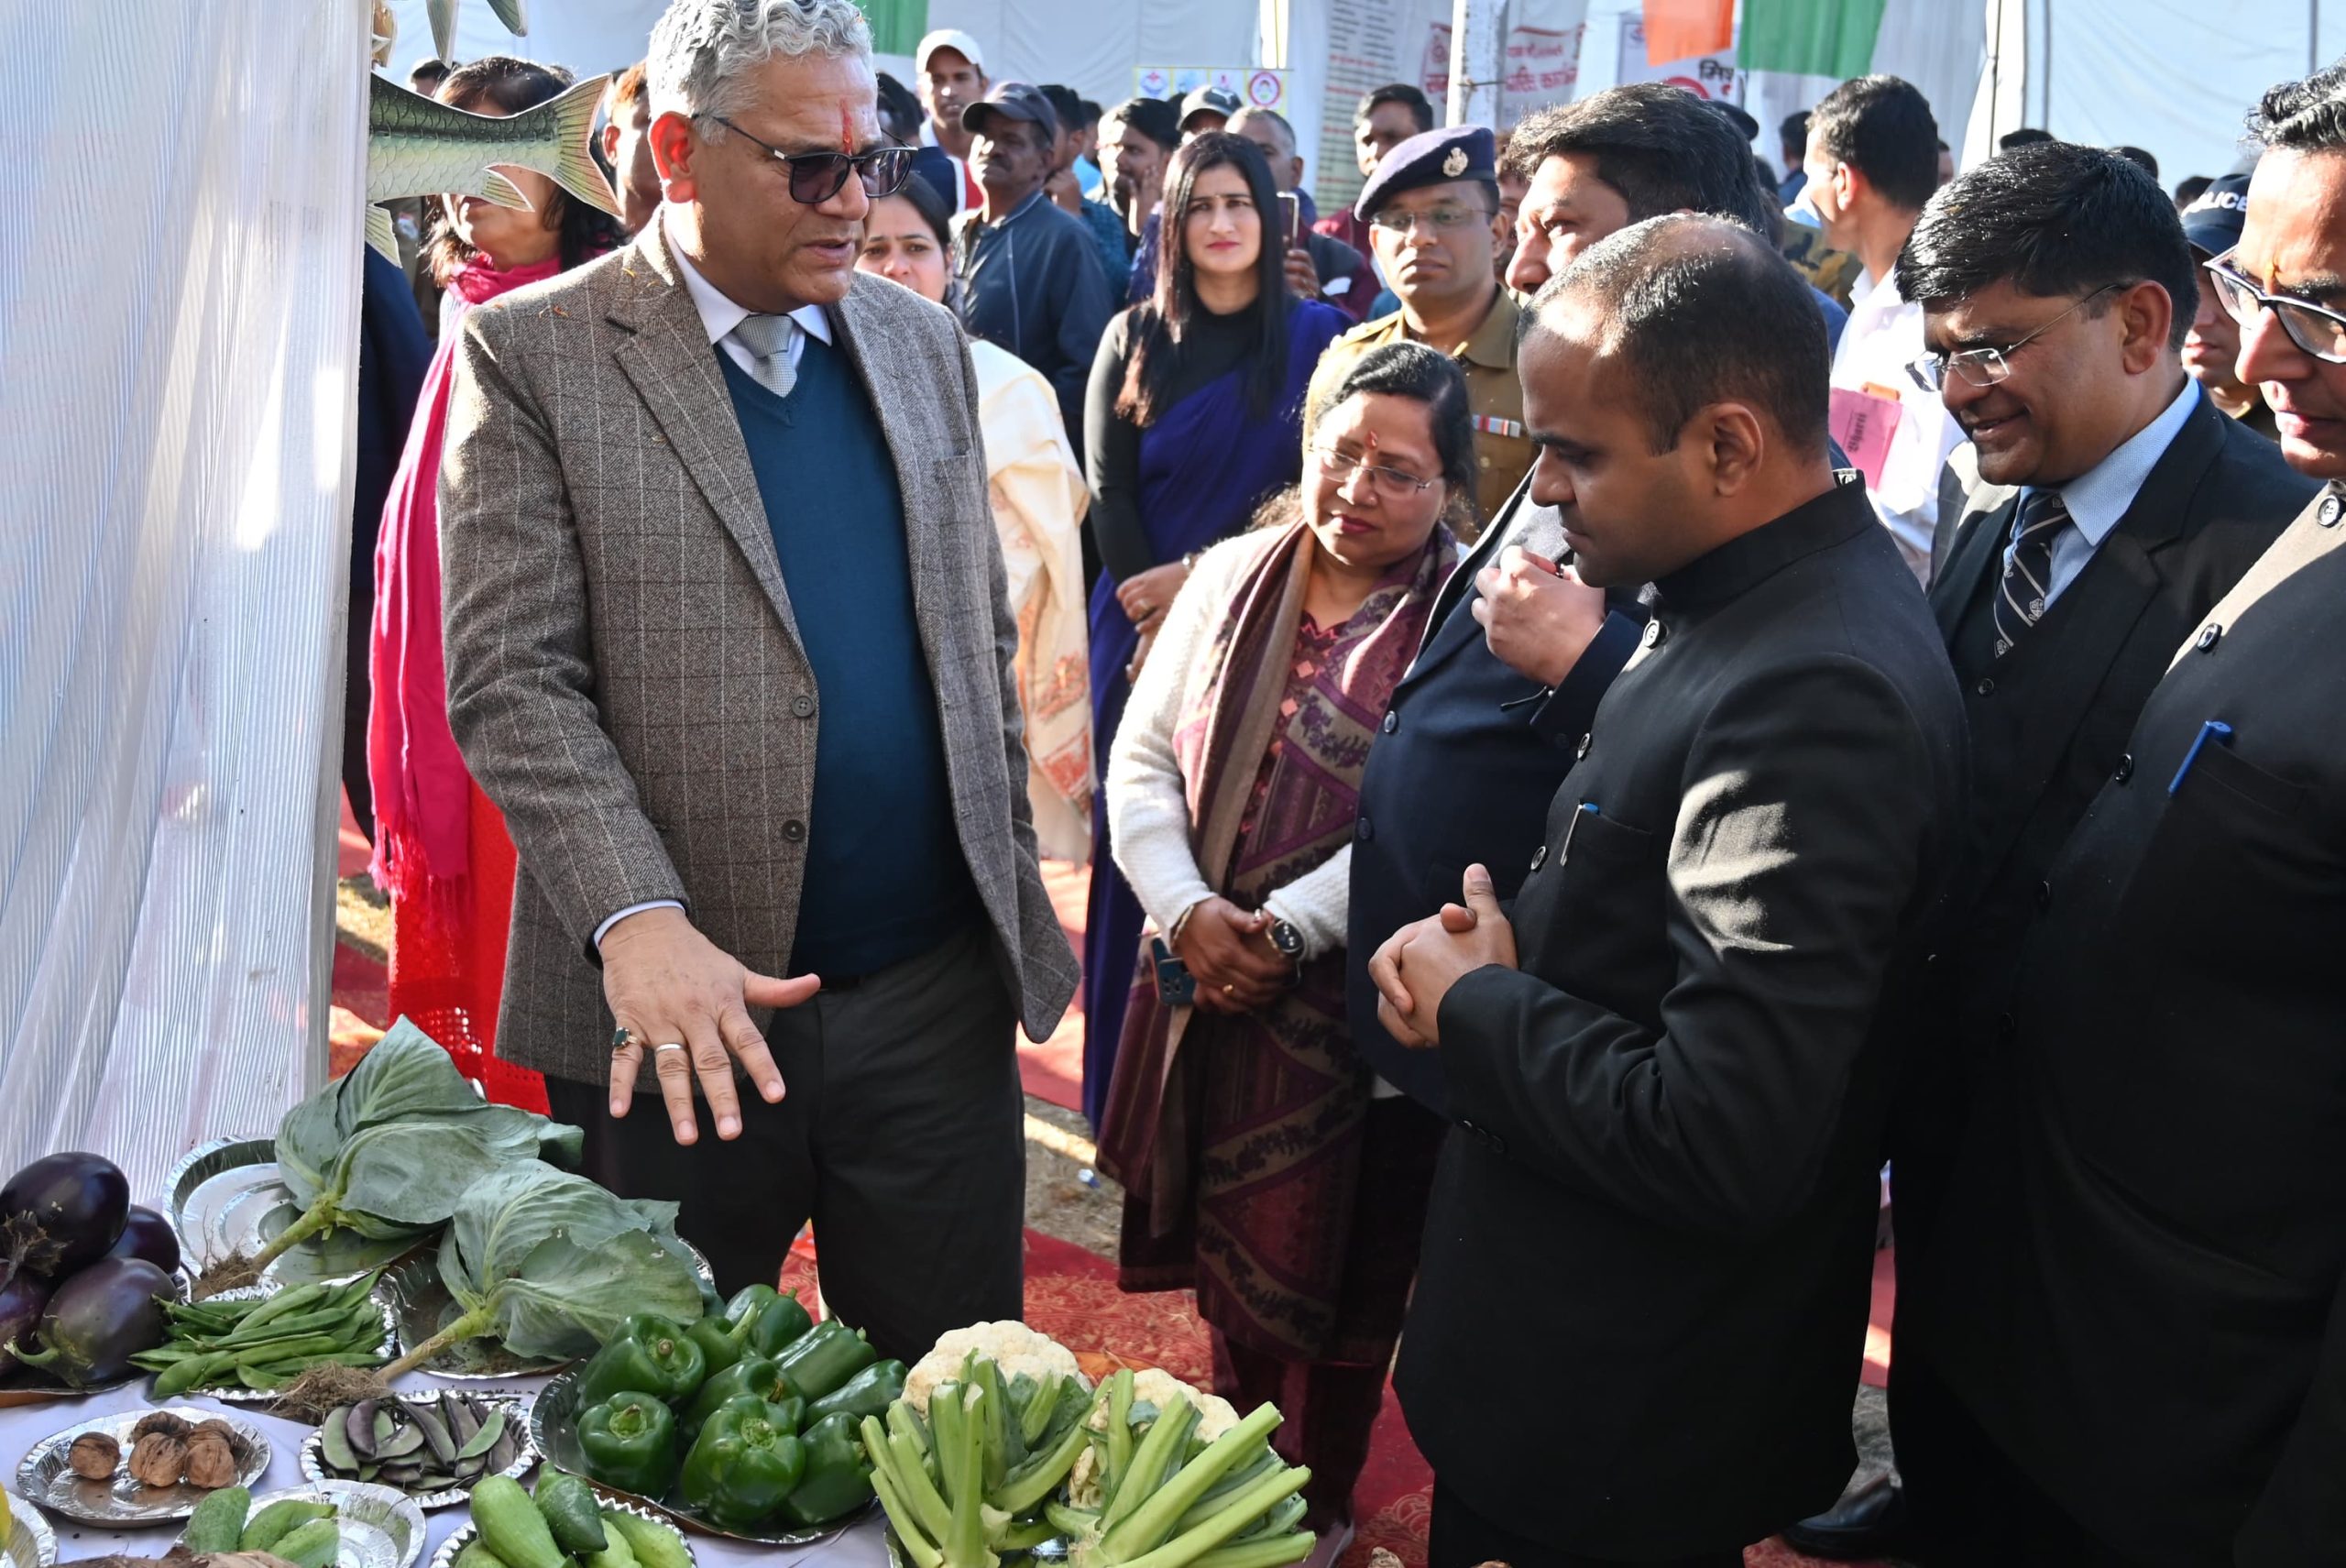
(441, 849)
(1264, 1166)
(1038, 503)
(1193, 418)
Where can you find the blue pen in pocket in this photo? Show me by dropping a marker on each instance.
(1587, 809)
(2215, 729)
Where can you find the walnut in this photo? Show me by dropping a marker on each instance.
(162, 1421)
(160, 1460)
(227, 1435)
(211, 1462)
(94, 1456)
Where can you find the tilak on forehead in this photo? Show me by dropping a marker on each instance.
(846, 129)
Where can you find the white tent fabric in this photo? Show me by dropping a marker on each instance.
(179, 310)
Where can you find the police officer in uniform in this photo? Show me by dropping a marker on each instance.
(1432, 209)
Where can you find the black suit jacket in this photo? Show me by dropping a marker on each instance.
(2139, 1286)
(1469, 756)
(1657, 1205)
(2211, 505)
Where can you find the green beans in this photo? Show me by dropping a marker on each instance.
(264, 1344)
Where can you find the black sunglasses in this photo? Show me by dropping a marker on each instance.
(817, 177)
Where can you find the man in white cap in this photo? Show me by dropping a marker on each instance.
(950, 75)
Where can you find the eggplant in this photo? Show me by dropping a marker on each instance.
(62, 1213)
(146, 1234)
(98, 1320)
(21, 1301)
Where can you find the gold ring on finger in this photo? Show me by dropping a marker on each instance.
(621, 1038)
(1230, 990)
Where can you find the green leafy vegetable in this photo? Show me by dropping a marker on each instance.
(551, 1264)
(386, 1152)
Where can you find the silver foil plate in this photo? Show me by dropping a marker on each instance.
(516, 1410)
(30, 1543)
(469, 1532)
(380, 1528)
(553, 1428)
(227, 1197)
(237, 1393)
(46, 1480)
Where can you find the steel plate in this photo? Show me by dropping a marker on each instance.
(469, 1532)
(517, 1414)
(30, 1543)
(237, 1394)
(380, 1528)
(46, 1479)
(226, 1198)
(554, 1427)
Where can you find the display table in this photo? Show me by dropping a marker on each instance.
(861, 1545)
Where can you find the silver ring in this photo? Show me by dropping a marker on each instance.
(669, 1047)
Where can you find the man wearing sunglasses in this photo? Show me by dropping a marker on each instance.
(2136, 1290)
(2117, 505)
(1031, 278)
(687, 494)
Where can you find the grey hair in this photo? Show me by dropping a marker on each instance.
(702, 49)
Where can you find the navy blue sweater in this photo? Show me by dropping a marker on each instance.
(885, 877)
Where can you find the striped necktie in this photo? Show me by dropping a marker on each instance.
(2028, 574)
(768, 340)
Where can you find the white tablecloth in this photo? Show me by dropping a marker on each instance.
(21, 1428)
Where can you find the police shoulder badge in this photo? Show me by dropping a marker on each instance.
(1456, 164)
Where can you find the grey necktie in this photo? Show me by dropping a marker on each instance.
(2028, 576)
(768, 340)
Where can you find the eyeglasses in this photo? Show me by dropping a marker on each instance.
(1393, 484)
(2321, 332)
(817, 177)
(1394, 222)
(1986, 366)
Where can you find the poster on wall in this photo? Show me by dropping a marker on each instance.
(1704, 75)
(1252, 86)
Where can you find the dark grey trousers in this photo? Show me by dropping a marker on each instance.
(901, 1137)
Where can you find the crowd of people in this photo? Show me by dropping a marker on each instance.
(1611, 695)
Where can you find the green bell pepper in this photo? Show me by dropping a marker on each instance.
(718, 1348)
(629, 1441)
(765, 1321)
(838, 1480)
(744, 1464)
(869, 1393)
(751, 1374)
(821, 1361)
(648, 1356)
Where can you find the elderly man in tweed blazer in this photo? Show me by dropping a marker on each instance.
(727, 644)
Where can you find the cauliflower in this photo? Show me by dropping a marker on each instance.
(1215, 1415)
(1010, 1346)
(1083, 1482)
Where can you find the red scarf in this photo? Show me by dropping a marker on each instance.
(422, 792)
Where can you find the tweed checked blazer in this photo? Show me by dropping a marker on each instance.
(625, 677)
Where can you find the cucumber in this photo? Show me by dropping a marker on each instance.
(509, 1523)
(654, 1545)
(218, 1522)
(278, 1520)
(477, 1554)
(615, 1554)
(314, 1545)
(571, 1513)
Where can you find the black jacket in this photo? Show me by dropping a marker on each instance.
(1031, 285)
(2047, 723)
(1657, 1210)
(2139, 1284)
(1469, 756)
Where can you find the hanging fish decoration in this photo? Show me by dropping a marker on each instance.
(418, 147)
(443, 16)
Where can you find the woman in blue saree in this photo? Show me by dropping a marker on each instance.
(1193, 418)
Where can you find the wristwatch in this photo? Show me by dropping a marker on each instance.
(1288, 941)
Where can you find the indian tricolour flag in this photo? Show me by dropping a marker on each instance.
(1810, 37)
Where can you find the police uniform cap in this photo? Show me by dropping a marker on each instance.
(1430, 157)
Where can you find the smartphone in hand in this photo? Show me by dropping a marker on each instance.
(1291, 218)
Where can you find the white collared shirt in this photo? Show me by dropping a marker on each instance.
(1884, 334)
(2096, 499)
(721, 314)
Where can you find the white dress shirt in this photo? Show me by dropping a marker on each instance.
(2096, 499)
(1883, 336)
(719, 316)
